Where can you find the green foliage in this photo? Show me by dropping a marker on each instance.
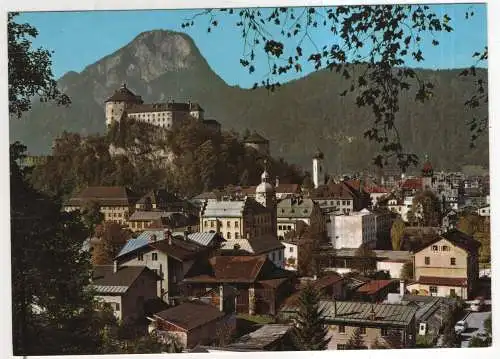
(355, 341)
(364, 261)
(487, 325)
(30, 73)
(479, 228)
(477, 342)
(91, 216)
(111, 240)
(310, 331)
(407, 271)
(427, 209)
(397, 232)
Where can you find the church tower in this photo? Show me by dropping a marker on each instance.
(265, 194)
(318, 169)
(427, 174)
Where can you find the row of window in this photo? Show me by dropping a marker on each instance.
(383, 331)
(433, 289)
(332, 203)
(228, 224)
(284, 227)
(154, 256)
(236, 235)
(453, 261)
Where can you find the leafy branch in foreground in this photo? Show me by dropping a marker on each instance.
(369, 47)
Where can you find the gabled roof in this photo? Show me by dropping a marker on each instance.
(333, 191)
(105, 280)
(231, 269)
(232, 208)
(445, 281)
(287, 188)
(123, 94)
(261, 339)
(457, 238)
(374, 286)
(149, 215)
(295, 208)
(105, 196)
(190, 315)
(319, 285)
(255, 245)
(202, 238)
(255, 138)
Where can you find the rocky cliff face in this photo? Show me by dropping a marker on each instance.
(303, 114)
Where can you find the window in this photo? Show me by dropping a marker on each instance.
(140, 256)
(341, 328)
(434, 248)
(445, 248)
(427, 260)
(343, 203)
(228, 223)
(362, 330)
(237, 235)
(279, 227)
(212, 224)
(154, 256)
(236, 224)
(341, 346)
(338, 203)
(291, 249)
(289, 228)
(433, 289)
(117, 306)
(452, 293)
(453, 261)
(274, 256)
(384, 332)
(205, 224)
(228, 235)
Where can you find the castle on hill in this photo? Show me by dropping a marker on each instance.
(166, 115)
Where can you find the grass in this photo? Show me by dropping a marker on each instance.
(256, 319)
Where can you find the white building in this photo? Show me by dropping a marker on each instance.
(267, 244)
(291, 252)
(353, 230)
(318, 169)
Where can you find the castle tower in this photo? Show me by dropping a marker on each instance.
(318, 169)
(265, 194)
(119, 102)
(427, 174)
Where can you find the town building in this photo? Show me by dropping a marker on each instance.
(257, 142)
(447, 266)
(319, 173)
(390, 326)
(353, 230)
(125, 288)
(194, 323)
(167, 115)
(171, 258)
(115, 203)
(267, 245)
(376, 290)
(261, 285)
(294, 209)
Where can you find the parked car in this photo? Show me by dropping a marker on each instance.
(461, 327)
(477, 304)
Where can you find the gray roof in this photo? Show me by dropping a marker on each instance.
(360, 313)
(261, 338)
(202, 238)
(295, 208)
(105, 280)
(231, 208)
(118, 289)
(142, 240)
(396, 256)
(255, 245)
(149, 215)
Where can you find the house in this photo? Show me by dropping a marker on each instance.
(257, 142)
(234, 219)
(285, 190)
(291, 254)
(392, 262)
(376, 290)
(344, 260)
(353, 230)
(376, 193)
(336, 198)
(261, 285)
(125, 288)
(269, 337)
(410, 186)
(291, 210)
(330, 286)
(204, 239)
(447, 265)
(391, 326)
(268, 245)
(192, 323)
(160, 200)
(484, 211)
(115, 203)
(169, 257)
(140, 220)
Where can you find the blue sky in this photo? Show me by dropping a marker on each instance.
(79, 39)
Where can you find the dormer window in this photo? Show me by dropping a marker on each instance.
(434, 248)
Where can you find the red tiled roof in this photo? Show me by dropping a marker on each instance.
(319, 284)
(334, 191)
(374, 286)
(412, 183)
(376, 189)
(451, 282)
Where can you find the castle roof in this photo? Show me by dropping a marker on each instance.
(255, 138)
(123, 94)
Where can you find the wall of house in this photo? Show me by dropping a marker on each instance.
(114, 111)
(143, 289)
(277, 256)
(392, 338)
(442, 291)
(394, 268)
(352, 231)
(206, 334)
(440, 261)
(113, 300)
(291, 251)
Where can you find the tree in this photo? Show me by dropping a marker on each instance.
(370, 46)
(364, 260)
(407, 271)
(92, 216)
(310, 331)
(397, 232)
(112, 240)
(477, 342)
(30, 73)
(427, 209)
(487, 325)
(356, 340)
(450, 338)
(377, 344)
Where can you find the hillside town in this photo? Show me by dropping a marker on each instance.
(399, 261)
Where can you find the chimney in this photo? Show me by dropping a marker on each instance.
(372, 313)
(168, 236)
(402, 288)
(334, 307)
(221, 300)
(277, 181)
(248, 235)
(115, 266)
(186, 235)
(152, 238)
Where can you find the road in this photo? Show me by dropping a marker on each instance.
(475, 322)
